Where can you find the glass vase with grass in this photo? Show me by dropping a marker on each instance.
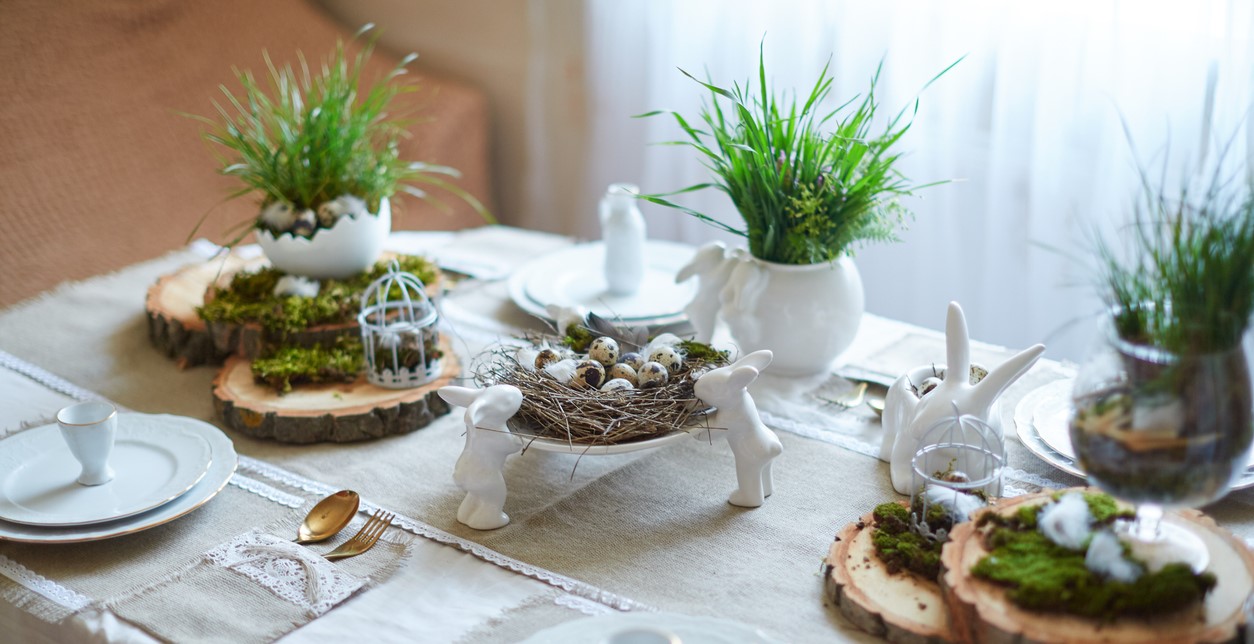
(811, 184)
(1162, 414)
(321, 150)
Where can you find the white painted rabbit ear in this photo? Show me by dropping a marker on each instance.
(759, 360)
(741, 377)
(706, 258)
(460, 396)
(957, 345)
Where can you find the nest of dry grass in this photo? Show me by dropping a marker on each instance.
(556, 410)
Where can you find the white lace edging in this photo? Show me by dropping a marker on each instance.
(266, 491)
(49, 379)
(44, 587)
(413, 526)
(582, 605)
(288, 570)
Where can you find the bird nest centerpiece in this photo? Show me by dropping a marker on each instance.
(594, 383)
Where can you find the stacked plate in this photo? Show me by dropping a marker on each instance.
(575, 277)
(166, 466)
(1043, 421)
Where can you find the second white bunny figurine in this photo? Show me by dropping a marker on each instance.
(752, 443)
(907, 416)
(480, 469)
(712, 265)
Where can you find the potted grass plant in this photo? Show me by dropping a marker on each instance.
(811, 183)
(1163, 404)
(321, 151)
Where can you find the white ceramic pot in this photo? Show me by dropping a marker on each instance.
(349, 247)
(805, 314)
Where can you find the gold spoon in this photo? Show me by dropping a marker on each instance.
(328, 517)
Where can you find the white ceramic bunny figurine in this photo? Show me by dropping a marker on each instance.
(480, 469)
(907, 416)
(712, 265)
(753, 445)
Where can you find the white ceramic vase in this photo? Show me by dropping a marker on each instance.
(806, 314)
(349, 247)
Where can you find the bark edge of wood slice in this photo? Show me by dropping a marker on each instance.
(337, 413)
(980, 611)
(900, 607)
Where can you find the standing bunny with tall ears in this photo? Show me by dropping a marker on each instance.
(480, 469)
(753, 445)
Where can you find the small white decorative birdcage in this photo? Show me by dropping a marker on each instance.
(956, 470)
(398, 331)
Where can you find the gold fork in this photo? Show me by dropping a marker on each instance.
(365, 538)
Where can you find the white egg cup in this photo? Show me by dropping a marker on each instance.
(89, 430)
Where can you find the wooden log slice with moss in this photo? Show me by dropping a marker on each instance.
(174, 326)
(899, 606)
(981, 611)
(333, 412)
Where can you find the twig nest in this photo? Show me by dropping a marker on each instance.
(617, 384)
(296, 285)
(652, 374)
(604, 350)
(546, 357)
(668, 357)
(633, 360)
(588, 374)
(978, 371)
(623, 371)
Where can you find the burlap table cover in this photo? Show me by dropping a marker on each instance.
(654, 527)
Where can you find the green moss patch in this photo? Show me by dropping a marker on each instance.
(288, 366)
(1042, 575)
(250, 298)
(899, 547)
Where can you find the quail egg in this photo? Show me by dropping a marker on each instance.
(652, 374)
(633, 360)
(617, 384)
(604, 350)
(623, 371)
(667, 357)
(588, 374)
(928, 385)
(978, 371)
(546, 357)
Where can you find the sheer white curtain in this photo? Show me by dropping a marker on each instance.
(1029, 126)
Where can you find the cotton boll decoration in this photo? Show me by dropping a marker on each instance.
(1068, 522)
(958, 505)
(667, 357)
(545, 357)
(562, 371)
(298, 286)
(588, 374)
(604, 350)
(1105, 557)
(623, 371)
(617, 384)
(633, 360)
(652, 374)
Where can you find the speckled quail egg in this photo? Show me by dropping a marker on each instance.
(604, 350)
(652, 374)
(617, 384)
(622, 371)
(632, 359)
(978, 371)
(667, 357)
(546, 357)
(588, 374)
(928, 385)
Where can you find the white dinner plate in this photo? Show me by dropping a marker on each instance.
(574, 277)
(620, 627)
(1042, 420)
(152, 465)
(224, 461)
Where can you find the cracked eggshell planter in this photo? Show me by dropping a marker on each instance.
(349, 247)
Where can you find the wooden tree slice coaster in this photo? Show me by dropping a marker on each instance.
(178, 331)
(901, 607)
(338, 413)
(173, 324)
(980, 611)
